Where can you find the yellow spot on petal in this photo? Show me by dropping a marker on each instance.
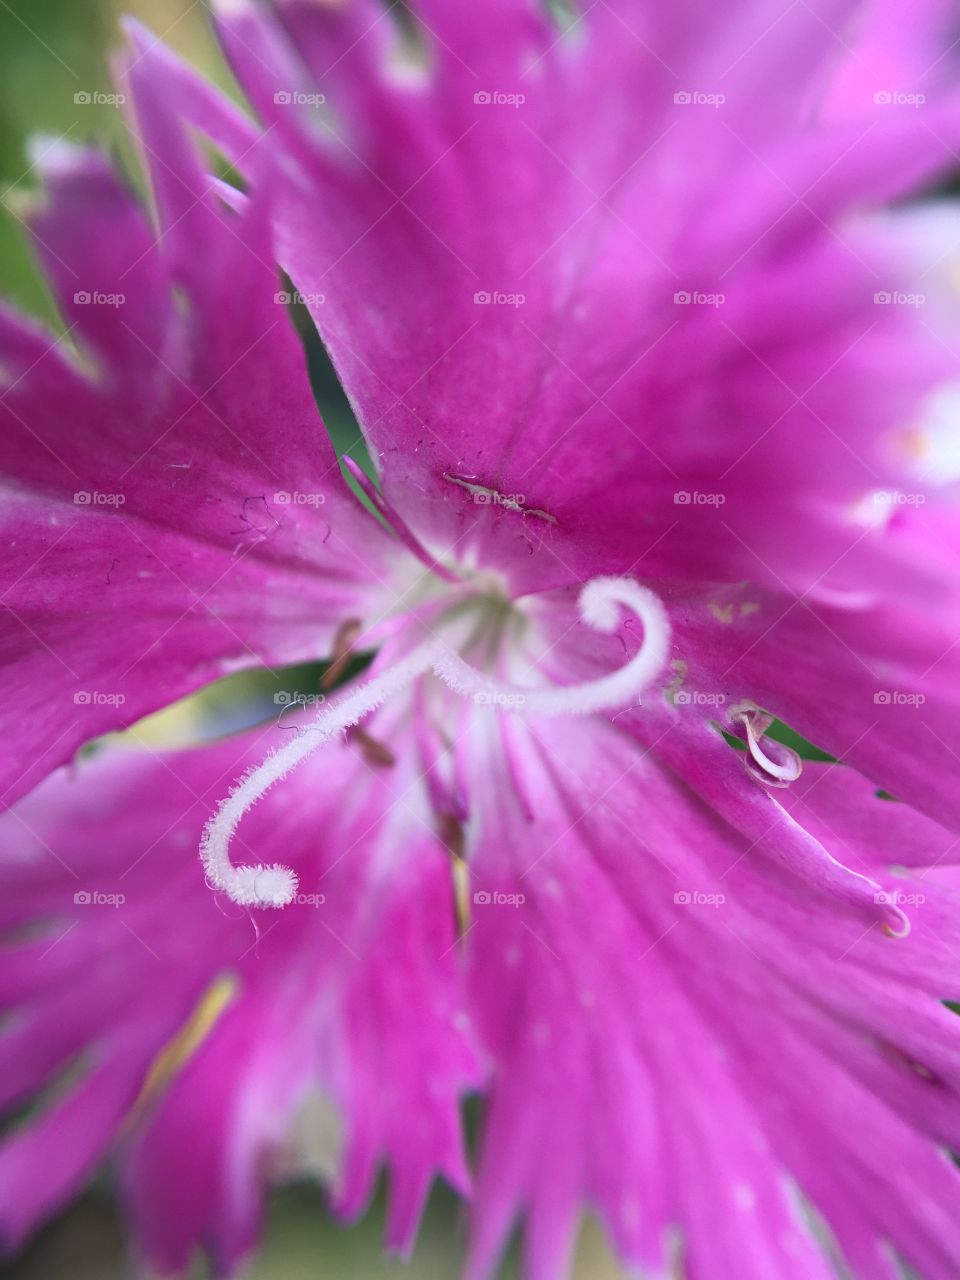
(722, 612)
(916, 442)
(461, 891)
(676, 684)
(748, 607)
(185, 1042)
(451, 833)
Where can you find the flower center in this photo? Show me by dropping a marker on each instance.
(468, 627)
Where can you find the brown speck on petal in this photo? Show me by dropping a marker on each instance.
(343, 643)
(375, 753)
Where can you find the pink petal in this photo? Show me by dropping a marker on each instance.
(174, 509)
(495, 411)
(682, 1037)
(350, 996)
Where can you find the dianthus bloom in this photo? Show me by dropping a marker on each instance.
(657, 393)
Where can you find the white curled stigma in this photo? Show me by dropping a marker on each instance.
(275, 886)
(822, 868)
(600, 603)
(760, 763)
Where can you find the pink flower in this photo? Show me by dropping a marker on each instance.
(653, 388)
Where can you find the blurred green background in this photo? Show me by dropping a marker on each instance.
(51, 50)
